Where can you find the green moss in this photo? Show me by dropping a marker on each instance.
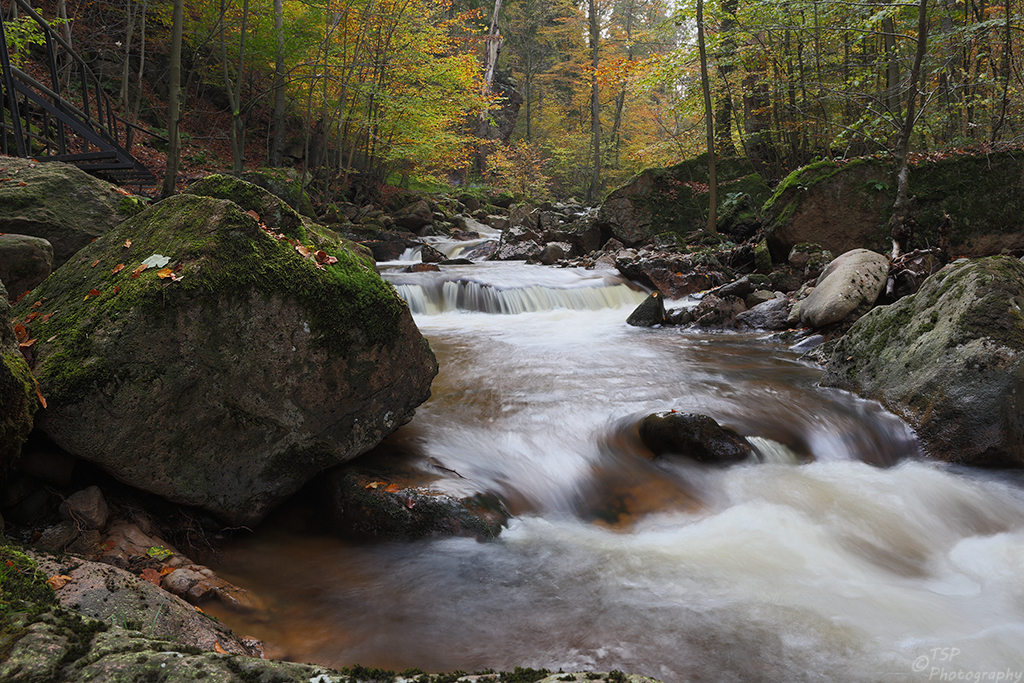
(22, 585)
(130, 206)
(271, 210)
(221, 252)
(17, 386)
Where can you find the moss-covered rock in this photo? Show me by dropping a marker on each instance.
(230, 379)
(59, 202)
(949, 360)
(286, 185)
(273, 212)
(847, 206)
(18, 401)
(675, 199)
(838, 206)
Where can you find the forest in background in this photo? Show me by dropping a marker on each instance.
(362, 94)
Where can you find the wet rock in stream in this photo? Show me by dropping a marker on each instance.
(695, 436)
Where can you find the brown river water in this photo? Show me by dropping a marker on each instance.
(841, 553)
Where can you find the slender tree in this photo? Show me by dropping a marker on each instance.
(174, 101)
(898, 222)
(709, 119)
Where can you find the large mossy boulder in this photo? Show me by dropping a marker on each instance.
(675, 199)
(59, 203)
(949, 360)
(231, 371)
(846, 205)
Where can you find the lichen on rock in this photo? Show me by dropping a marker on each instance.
(949, 360)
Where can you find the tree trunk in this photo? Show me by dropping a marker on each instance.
(174, 101)
(709, 117)
(899, 225)
(277, 149)
(724, 112)
(594, 191)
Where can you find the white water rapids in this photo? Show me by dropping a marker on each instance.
(856, 560)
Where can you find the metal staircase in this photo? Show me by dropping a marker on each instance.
(74, 124)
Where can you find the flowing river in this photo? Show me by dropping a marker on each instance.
(839, 554)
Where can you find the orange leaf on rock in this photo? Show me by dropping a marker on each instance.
(46, 317)
(38, 303)
(117, 269)
(151, 575)
(138, 271)
(21, 332)
(253, 213)
(392, 488)
(164, 273)
(116, 289)
(218, 648)
(57, 582)
(94, 292)
(128, 243)
(32, 316)
(95, 263)
(39, 395)
(305, 251)
(28, 344)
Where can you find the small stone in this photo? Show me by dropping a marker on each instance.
(87, 507)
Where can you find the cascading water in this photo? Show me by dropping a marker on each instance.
(843, 555)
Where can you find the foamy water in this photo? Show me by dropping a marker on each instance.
(846, 556)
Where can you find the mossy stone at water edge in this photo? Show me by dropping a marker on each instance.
(229, 388)
(949, 360)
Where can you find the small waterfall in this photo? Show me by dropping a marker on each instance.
(495, 288)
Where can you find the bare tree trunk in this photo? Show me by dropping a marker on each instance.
(277, 149)
(174, 101)
(709, 118)
(899, 229)
(234, 88)
(594, 190)
(492, 47)
(1007, 69)
(892, 69)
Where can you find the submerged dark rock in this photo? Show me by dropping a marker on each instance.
(695, 436)
(382, 505)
